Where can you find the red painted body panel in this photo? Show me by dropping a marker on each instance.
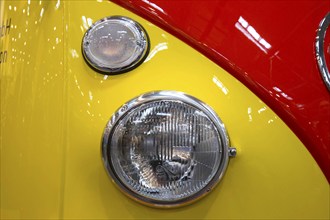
(268, 46)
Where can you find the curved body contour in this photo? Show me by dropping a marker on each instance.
(54, 108)
(268, 46)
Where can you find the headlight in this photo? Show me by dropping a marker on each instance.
(115, 45)
(165, 148)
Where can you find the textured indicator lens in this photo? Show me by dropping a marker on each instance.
(115, 45)
(165, 148)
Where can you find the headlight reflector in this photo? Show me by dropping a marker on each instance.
(115, 45)
(165, 148)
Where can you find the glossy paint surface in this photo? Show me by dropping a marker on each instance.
(32, 109)
(268, 46)
(51, 163)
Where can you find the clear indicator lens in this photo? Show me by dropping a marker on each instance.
(166, 151)
(115, 44)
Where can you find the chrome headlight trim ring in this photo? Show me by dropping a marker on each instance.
(226, 151)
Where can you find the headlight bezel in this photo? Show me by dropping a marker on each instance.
(226, 150)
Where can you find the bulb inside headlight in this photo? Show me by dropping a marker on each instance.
(165, 148)
(115, 44)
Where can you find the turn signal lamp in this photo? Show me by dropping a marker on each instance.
(115, 45)
(165, 148)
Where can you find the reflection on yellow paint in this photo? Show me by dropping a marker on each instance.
(249, 111)
(159, 47)
(86, 22)
(262, 110)
(42, 13)
(220, 85)
(74, 53)
(58, 4)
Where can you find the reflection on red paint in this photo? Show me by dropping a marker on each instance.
(243, 26)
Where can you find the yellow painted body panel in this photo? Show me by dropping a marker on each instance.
(54, 108)
(32, 109)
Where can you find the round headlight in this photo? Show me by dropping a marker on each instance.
(165, 148)
(115, 45)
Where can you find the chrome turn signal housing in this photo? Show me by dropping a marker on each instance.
(165, 148)
(115, 45)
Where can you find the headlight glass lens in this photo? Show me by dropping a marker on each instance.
(115, 44)
(165, 148)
